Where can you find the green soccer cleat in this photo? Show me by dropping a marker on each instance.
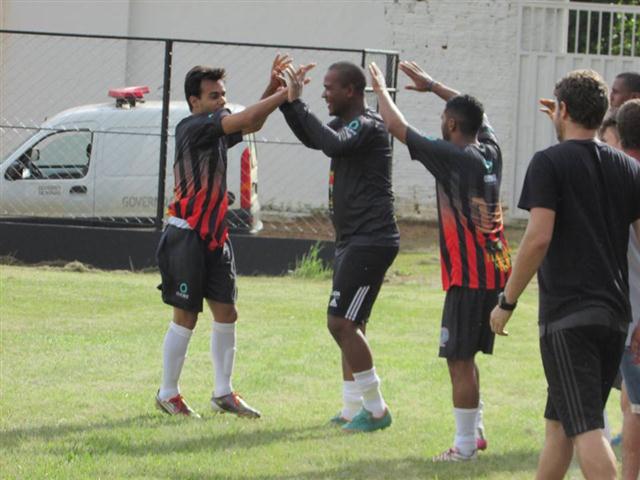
(364, 421)
(338, 420)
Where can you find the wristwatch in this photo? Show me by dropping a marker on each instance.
(502, 303)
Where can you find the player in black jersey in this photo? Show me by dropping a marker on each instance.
(195, 255)
(362, 212)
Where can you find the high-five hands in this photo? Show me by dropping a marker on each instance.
(422, 81)
(281, 62)
(295, 80)
(548, 107)
(378, 82)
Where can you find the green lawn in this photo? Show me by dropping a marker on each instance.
(81, 362)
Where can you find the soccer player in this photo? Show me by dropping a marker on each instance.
(467, 166)
(195, 255)
(628, 118)
(362, 212)
(582, 196)
(626, 86)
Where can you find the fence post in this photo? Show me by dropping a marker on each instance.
(164, 132)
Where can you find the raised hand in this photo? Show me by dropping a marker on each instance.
(422, 81)
(279, 64)
(303, 69)
(548, 107)
(294, 80)
(378, 81)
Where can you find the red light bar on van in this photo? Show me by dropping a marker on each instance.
(129, 92)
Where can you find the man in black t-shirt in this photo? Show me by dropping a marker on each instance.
(195, 255)
(582, 196)
(367, 238)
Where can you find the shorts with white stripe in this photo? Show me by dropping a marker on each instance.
(358, 273)
(580, 365)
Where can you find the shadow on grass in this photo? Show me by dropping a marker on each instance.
(517, 461)
(108, 438)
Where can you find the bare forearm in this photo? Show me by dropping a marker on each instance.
(530, 256)
(444, 92)
(392, 116)
(254, 116)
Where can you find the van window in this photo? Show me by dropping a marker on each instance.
(61, 155)
(133, 152)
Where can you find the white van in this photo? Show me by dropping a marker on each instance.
(100, 163)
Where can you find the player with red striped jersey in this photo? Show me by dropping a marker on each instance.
(195, 255)
(475, 260)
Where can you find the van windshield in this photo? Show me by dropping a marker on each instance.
(19, 145)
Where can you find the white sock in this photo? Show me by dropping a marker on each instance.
(223, 353)
(174, 351)
(369, 384)
(465, 440)
(352, 399)
(479, 422)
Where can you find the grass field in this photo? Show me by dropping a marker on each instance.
(81, 362)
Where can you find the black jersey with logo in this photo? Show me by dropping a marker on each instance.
(200, 172)
(360, 190)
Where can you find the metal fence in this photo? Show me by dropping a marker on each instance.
(71, 154)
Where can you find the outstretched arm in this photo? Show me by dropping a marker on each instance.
(277, 67)
(392, 116)
(253, 117)
(310, 129)
(423, 82)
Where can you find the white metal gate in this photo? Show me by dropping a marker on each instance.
(553, 39)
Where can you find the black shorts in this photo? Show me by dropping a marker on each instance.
(465, 323)
(580, 364)
(191, 272)
(358, 273)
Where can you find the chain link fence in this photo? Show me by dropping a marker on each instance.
(76, 147)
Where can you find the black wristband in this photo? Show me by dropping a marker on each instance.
(504, 305)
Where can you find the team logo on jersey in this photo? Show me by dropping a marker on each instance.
(335, 296)
(444, 336)
(183, 290)
(490, 178)
(354, 125)
(430, 138)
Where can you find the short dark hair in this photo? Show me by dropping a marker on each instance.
(468, 112)
(628, 118)
(586, 96)
(350, 74)
(631, 81)
(609, 122)
(194, 79)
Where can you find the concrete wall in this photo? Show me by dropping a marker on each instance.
(468, 44)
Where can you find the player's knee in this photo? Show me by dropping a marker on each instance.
(223, 312)
(185, 318)
(461, 368)
(338, 327)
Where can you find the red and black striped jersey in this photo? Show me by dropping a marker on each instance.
(473, 249)
(200, 172)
